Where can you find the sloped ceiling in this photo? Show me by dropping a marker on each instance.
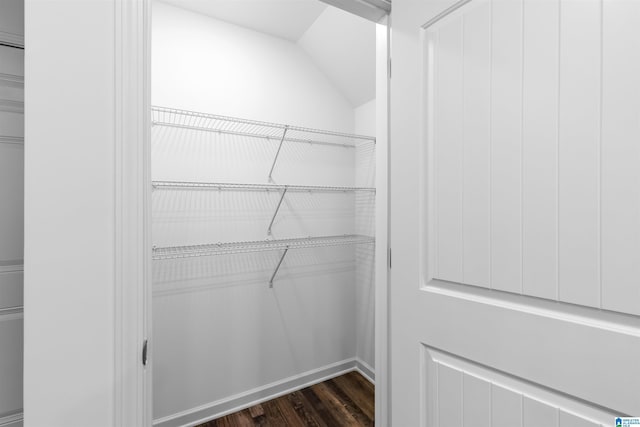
(287, 19)
(342, 45)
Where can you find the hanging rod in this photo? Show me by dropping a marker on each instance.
(186, 185)
(176, 252)
(184, 119)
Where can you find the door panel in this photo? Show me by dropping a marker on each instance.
(537, 202)
(568, 349)
(476, 160)
(449, 166)
(578, 151)
(506, 151)
(620, 154)
(474, 396)
(515, 212)
(540, 149)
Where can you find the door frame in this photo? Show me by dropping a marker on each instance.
(133, 401)
(132, 294)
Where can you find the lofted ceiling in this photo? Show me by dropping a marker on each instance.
(287, 19)
(342, 45)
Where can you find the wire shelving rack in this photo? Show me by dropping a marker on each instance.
(185, 119)
(176, 252)
(281, 133)
(191, 185)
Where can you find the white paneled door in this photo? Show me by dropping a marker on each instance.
(515, 212)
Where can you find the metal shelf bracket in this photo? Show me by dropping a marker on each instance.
(275, 159)
(273, 276)
(273, 218)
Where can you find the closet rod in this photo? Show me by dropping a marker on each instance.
(176, 252)
(186, 185)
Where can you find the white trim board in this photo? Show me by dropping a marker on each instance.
(365, 370)
(240, 401)
(14, 420)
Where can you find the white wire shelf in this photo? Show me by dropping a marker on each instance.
(190, 185)
(184, 119)
(176, 252)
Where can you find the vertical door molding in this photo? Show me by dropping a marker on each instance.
(132, 405)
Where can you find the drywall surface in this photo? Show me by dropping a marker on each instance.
(70, 214)
(285, 19)
(219, 330)
(365, 223)
(204, 64)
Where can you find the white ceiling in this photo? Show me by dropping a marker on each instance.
(341, 44)
(287, 19)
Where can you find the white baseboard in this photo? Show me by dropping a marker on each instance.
(13, 420)
(238, 402)
(366, 370)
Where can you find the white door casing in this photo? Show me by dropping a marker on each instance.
(515, 212)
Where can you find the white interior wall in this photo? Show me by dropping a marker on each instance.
(11, 212)
(343, 46)
(219, 331)
(70, 213)
(245, 73)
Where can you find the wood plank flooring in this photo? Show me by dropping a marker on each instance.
(346, 400)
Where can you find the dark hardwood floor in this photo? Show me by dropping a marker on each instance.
(346, 400)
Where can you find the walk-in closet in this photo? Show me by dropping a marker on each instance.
(264, 150)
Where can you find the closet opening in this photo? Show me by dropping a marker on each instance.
(268, 151)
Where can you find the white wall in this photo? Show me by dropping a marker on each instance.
(70, 214)
(344, 47)
(11, 212)
(245, 73)
(219, 331)
(365, 124)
